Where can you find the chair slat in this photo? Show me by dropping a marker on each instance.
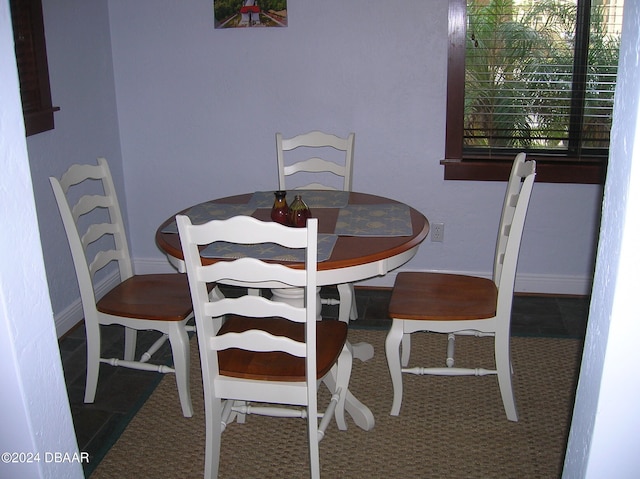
(89, 203)
(252, 270)
(258, 340)
(98, 230)
(256, 307)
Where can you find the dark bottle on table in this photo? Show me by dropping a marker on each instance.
(298, 213)
(280, 209)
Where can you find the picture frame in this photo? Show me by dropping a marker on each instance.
(249, 13)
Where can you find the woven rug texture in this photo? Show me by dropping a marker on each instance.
(448, 427)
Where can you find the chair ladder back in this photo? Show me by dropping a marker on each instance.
(316, 139)
(509, 204)
(234, 230)
(88, 204)
(251, 270)
(508, 265)
(80, 264)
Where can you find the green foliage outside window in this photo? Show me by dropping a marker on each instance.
(524, 87)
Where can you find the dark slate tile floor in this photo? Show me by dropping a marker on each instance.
(121, 392)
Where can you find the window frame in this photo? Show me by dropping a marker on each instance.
(461, 165)
(31, 51)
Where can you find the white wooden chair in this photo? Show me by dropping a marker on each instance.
(457, 304)
(264, 351)
(314, 143)
(160, 302)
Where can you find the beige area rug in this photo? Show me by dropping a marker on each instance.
(449, 427)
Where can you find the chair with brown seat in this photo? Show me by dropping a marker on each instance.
(159, 302)
(304, 163)
(467, 305)
(266, 351)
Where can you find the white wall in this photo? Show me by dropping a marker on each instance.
(198, 109)
(34, 415)
(604, 439)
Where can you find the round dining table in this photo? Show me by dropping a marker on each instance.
(372, 249)
(354, 257)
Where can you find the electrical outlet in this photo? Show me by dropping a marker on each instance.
(437, 232)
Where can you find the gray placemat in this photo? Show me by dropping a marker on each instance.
(268, 251)
(313, 198)
(206, 212)
(391, 219)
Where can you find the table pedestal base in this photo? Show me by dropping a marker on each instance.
(360, 413)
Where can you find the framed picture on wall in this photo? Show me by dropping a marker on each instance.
(250, 13)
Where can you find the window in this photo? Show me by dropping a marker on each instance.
(531, 75)
(33, 71)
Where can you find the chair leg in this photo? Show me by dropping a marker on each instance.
(313, 438)
(180, 349)
(503, 365)
(213, 433)
(348, 309)
(130, 338)
(93, 362)
(392, 349)
(406, 349)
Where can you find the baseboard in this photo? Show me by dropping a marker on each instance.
(546, 284)
(525, 283)
(66, 319)
(152, 266)
(73, 314)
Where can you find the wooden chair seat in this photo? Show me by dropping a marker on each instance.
(275, 365)
(157, 297)
(442, 297)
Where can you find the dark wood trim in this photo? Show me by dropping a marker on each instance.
(455, 78)
(547, 171)
(39, 121)
(460, 164)
(33, 68)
